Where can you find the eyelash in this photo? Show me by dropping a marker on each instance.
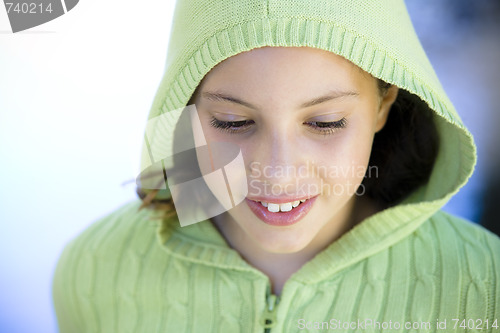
(231, 126)
(326, 128)
(241, 126)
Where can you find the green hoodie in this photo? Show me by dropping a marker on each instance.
(407, 265)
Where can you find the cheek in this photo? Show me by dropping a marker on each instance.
(345, 157)
(356, 146)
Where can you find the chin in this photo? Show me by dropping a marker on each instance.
(282, 242)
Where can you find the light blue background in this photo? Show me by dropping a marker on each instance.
(74, 95)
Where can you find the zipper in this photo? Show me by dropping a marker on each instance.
(269, 317)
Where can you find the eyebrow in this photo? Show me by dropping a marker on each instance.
(335, 94)
(221, 97)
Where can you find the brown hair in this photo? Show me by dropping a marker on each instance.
(404, 151)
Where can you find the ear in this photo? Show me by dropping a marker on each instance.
(385, 106)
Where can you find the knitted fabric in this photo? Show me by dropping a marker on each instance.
(123, 274)
(409, 263)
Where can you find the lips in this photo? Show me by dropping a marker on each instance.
(278, 212)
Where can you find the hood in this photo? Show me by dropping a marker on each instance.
(377, 36)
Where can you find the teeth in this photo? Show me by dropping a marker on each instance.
(273, 208)
(284, 207)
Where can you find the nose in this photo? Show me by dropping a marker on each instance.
(278, 156)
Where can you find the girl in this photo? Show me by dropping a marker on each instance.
(319, 211)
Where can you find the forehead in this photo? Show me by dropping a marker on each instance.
(277, 70)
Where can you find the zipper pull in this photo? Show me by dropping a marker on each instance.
(269, 317)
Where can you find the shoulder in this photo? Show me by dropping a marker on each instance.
(114, 229)
(106, 240)
(460, 234)
(467, 257)
(453, 239)
(457, 262)
(88, 264)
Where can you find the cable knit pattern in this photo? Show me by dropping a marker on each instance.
(126, 274)
(410, 264)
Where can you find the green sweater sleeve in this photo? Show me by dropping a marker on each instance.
(64, 303)
(84, 290)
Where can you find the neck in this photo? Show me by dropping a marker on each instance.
(280, 266)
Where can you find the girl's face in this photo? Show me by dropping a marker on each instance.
(304, 120)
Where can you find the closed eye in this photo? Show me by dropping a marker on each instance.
(231, 126)
(327, 127)
(241, 126)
